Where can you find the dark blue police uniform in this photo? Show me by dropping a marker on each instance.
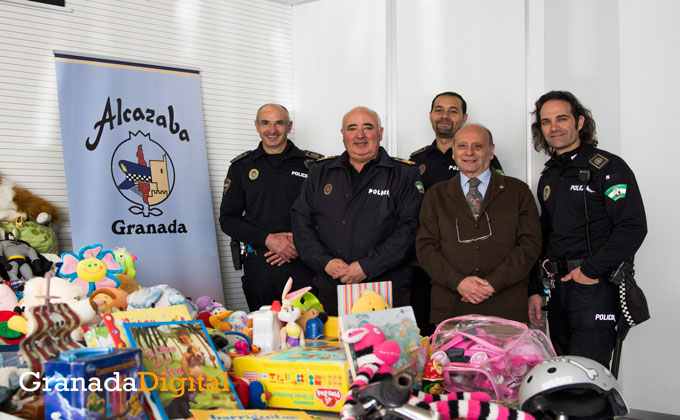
(592, 187)
(370, 217)
(259, 190)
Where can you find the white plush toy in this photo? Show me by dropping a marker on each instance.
(63, 291)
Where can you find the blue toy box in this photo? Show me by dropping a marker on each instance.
(94, 383)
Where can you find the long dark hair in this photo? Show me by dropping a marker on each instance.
(587, 132)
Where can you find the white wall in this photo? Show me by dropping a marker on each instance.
(340, 63)
(473, 48)
(345, 50)
(243, 49)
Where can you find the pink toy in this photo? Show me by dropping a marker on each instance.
(492, 354)
(375, 353)
(292, 334)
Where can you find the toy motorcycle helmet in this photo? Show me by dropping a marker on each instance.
(571, 387)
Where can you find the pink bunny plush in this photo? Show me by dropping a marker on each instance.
(292, 334)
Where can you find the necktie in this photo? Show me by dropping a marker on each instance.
(474, 197)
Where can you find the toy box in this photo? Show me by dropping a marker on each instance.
(314, 377)
(101, 383)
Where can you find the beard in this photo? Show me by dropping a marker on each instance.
(445, 132)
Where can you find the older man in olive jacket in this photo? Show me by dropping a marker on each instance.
(479, 236)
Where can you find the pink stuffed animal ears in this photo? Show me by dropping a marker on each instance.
(293, 295)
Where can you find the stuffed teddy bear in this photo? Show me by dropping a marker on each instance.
(21, 203)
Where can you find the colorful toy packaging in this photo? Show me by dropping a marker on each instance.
(94, 383)
(314, 377)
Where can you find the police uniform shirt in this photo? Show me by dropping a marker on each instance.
(614, 204)
(435, 166)
(374, 223)
(259, 190)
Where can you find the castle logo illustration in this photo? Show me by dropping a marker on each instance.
(146, 181)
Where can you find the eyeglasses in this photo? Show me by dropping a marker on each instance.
(481, 238)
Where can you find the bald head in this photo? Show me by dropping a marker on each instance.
(270, 106)
(362, 109)
(473, 149)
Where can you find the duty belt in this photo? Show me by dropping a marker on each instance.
(562, 267)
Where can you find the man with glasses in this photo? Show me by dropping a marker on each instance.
(479, 236)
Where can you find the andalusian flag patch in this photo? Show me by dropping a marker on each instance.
(616, 191)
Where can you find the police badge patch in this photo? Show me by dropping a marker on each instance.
(253, 174)
(327, 189)
(421, 168)
(420, 187)
(546, 192)
(227, 181)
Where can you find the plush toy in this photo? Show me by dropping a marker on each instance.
(218, 321)
(42, 238)
(369, 301)
(21, 203)
(91, 269)
(159, 296)
(108, 299)
(20, 260)
(291, 334)
(128, 274)
(60, 290)
(207, 304)
(8, 335)
(8, 299)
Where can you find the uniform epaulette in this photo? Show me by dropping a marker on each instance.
(313, 155)
(241, 156)
(408, 162)
(419, 151)
(327, 158)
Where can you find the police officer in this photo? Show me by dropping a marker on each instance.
(357, 215)
(260, 187)
(448, 113)
(592, 218)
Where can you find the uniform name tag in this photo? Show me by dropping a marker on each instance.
(378, 192)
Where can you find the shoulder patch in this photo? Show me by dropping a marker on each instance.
(241, 156)
(419, 151)
(598, 161)
(408, 162)
(313, 155)
(327, 158)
